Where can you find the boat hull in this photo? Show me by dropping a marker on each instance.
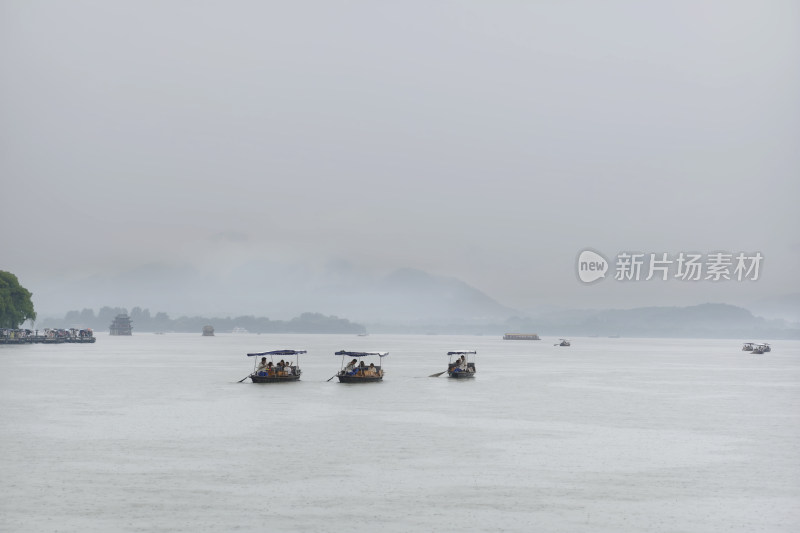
(274, 379)
(359, 379)
(461, 375)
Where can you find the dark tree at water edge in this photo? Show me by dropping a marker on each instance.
(15, 302)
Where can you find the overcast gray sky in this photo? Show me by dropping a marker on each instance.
(489, 141)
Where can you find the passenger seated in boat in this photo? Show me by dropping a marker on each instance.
(371, 371)
(350, 369)
(262, 367)
(362, 368)
(270, 369)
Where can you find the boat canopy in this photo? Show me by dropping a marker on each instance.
(462, 352)
(278, 352)
(361, 354)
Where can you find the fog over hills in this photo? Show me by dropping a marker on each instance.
(276, 158)
(402, 295)
(786, 307)
(404, 300)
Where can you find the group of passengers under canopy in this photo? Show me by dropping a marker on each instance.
(460, 365)
(283, 368)
(354, 368)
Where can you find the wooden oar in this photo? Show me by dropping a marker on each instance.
(437, 375)
(244, 378)
(330, 378)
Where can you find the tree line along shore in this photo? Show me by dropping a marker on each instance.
(142, 320)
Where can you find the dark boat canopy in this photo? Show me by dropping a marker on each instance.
(462, 352)
(278, 352)
(361, 354)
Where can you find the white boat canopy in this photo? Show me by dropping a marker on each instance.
(361, 354)
(277, 352)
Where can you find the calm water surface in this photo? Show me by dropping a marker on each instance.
(153, 433)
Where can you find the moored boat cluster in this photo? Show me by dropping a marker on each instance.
(48, 336)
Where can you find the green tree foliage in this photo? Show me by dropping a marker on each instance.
(15, 302)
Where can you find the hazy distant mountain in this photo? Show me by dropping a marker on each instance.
(279, 291)
(707, 320)
(411, 295)
(786, 307)
(405, 300)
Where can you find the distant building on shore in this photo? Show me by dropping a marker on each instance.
(121, 325)
(208, 331)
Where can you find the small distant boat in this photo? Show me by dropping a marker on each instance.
(463, 367)
(354, 372)
(748, 347)
(363, 334)
(759, 349)
(239, 330)
(270, 372)
(521, 337)
(564, 342)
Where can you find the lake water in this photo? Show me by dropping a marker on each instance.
(153, 433)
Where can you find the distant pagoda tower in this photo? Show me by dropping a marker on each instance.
(208, 331)
(121, 325)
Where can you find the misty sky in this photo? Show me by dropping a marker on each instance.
(488, 141)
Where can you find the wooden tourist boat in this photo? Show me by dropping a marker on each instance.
(270, 372)
(353, 372)
(463, 366)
